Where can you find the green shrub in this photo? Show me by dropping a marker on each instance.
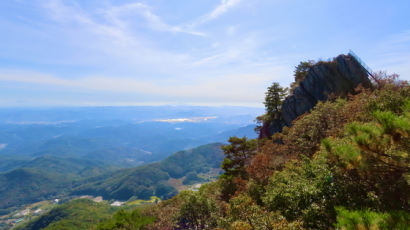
(371, 220)
(127, 220)
(374, 157)
(196, 212)
(303, 190)
(243, 211)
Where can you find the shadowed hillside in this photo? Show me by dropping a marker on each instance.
(148, 180)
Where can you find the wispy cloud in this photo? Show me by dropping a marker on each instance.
(118, 19)
(117, 37)
(154, 21)
(74, 14)
(222, 8)
(245, 88)
(114, 40)
(210, 68)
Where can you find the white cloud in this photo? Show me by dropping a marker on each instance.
(221, 9)
(237, 88)
(154, 21)
(115, 15)
(74, 17)
(116, 36)
(2, 146)
(113, 42)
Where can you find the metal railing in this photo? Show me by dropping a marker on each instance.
(363, 64)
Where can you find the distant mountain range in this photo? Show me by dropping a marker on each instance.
(114, 114)
(124, 136)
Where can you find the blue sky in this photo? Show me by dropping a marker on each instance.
(202, 52)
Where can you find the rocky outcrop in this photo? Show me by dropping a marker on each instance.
(338, 77)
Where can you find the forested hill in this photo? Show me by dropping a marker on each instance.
(49, 177)
(153, 179)
(43, 178)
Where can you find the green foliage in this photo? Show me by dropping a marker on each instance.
(369, 220)
(274, 98)
(127, 220)
(303, 190)
(42, 178)
(148, 180)
(22, 186)
(196, 211)
(123, 184)
(76, 214)
(391, 97)
(301, 71)
(326, 119)
(242, 211)
(192, 178)
(375, 155)
(237, 157)
(197, 160)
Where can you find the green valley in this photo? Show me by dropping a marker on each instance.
(148, 180)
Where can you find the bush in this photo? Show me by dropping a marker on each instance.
(303, 190)
(196, 212)
(307, 132)
(370, 220)
(243, 213)
(127, 220)
(374, 156)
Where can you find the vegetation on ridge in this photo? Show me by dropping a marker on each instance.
(344, 165)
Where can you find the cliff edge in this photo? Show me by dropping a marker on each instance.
(338, 77)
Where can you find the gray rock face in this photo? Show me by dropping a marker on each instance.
(338, 77)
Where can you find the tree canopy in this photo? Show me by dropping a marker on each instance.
(274, 97)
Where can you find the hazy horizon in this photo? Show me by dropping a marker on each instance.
(57, 106)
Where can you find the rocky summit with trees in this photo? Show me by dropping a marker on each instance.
(343, 163)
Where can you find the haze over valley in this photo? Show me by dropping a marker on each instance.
(119, 136)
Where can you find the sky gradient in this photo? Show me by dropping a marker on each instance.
(184, 52)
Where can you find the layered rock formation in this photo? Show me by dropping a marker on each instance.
(338, 77)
